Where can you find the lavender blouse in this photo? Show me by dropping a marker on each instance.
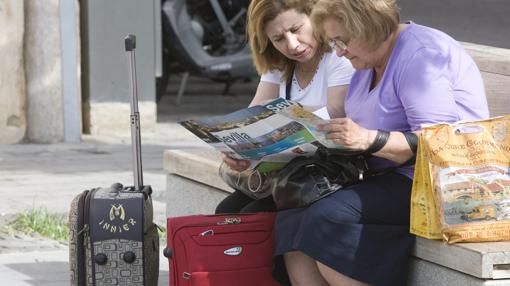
(429, 79)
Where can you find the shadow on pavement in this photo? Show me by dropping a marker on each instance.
(203, 98)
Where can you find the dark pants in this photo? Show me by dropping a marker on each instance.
(237, 202)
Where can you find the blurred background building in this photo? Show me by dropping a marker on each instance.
(63, 69)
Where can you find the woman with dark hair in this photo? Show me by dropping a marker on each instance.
(286, 52)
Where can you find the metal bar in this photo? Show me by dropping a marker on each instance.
(158, 39)
(130, 42)
(182, 87)
(223, 20)
(233, 21)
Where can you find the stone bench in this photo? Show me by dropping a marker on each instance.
(193, 187)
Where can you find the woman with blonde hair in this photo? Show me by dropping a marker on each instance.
(293, 64)
(407, 75)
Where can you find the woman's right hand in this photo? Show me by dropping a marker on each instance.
(236, 164)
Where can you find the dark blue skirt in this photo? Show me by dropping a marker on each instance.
(361, 231)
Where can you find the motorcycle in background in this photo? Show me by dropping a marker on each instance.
(205, 38)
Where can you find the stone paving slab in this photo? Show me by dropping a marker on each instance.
(48, 268)
(49, 176)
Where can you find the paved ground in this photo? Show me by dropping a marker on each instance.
(474, 21)
(49, 176)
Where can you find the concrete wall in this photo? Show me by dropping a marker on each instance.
(32, 77)
(44, 72)
(106, 84)
(12, 77)
(35, 45)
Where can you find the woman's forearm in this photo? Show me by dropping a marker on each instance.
(396, 149)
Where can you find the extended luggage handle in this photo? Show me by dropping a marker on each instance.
(130, 43)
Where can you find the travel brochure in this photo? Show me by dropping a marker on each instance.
(268, 135)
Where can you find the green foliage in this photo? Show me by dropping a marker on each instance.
(42, 222)
(162, 232)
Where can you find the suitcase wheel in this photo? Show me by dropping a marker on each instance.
(167, 252)
(129, 257)
(101, 258)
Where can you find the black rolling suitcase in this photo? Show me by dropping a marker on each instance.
(113, 240)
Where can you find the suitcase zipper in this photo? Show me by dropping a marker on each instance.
(234, 251)
(86, 232)
(230, 220)
(207, 232)
(80, 240)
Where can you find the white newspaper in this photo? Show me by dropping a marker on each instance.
(268, 135)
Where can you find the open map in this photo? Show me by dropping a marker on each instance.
(268, 135)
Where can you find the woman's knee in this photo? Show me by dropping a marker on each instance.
(303, 270)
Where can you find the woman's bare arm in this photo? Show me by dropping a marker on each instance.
(336, 99)
(266, 92)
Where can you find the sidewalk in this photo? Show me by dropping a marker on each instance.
(48, 268)
(49, 176)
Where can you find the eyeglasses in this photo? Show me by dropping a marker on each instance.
(337, 44)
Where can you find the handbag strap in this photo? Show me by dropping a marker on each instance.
(289, 84)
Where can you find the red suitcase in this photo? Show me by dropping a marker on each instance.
(221, 250)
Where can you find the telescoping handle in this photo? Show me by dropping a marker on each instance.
(130, 42)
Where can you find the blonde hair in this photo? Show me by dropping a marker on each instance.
(265, 56)
(370, 21)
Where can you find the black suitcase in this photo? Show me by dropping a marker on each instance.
(113, 240)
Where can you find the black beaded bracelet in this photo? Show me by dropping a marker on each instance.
(380, 140)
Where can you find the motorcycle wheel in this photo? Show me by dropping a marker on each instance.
(206, 26)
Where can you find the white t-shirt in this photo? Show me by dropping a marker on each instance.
(332, 71)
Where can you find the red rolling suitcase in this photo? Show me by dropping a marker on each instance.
(221, 250)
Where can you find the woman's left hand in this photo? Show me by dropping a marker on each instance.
(345, 132)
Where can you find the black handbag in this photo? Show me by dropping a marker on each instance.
(305, 180)
(308, 179)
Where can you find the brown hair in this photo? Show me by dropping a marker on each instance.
(370, 21)
(265, 56)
